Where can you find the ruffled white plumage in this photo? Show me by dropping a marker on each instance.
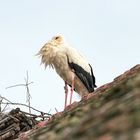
(59, 55)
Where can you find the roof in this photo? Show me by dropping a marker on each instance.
(112, 112)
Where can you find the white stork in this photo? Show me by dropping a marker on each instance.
(71, 66)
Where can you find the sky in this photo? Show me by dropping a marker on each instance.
(106, 32)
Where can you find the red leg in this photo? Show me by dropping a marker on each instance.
(66, 94)
(72, 88)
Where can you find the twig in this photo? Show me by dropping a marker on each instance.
(56, 110)
(0, 104)
(4, 108)
(27, 83)
(25, 106)
(15, 86)
(36, 116)
(28, 92)
(5, 99)
(19, 85)
(2, 98)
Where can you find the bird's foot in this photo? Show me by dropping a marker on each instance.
(70, 105)
(87, 96)
(42, 123)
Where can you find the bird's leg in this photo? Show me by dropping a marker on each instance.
(66, 94)
(72, 88)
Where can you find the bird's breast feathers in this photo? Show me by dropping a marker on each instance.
(67, 61)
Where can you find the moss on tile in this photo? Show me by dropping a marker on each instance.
(112, 114)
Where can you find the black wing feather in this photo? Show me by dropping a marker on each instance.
(87, 79)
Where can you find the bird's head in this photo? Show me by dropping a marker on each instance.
(55, 42)
(58, 39)
(48, 51)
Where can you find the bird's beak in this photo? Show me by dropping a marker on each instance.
(38, 54)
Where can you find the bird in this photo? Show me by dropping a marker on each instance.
(70, 65)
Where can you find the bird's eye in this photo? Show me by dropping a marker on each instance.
(56, 38)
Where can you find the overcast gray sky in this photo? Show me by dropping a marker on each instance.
(106, 32)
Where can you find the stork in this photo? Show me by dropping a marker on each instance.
(70, 65)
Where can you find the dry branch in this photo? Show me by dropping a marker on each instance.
(27, 83)
(26, 106)
(14, 123)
